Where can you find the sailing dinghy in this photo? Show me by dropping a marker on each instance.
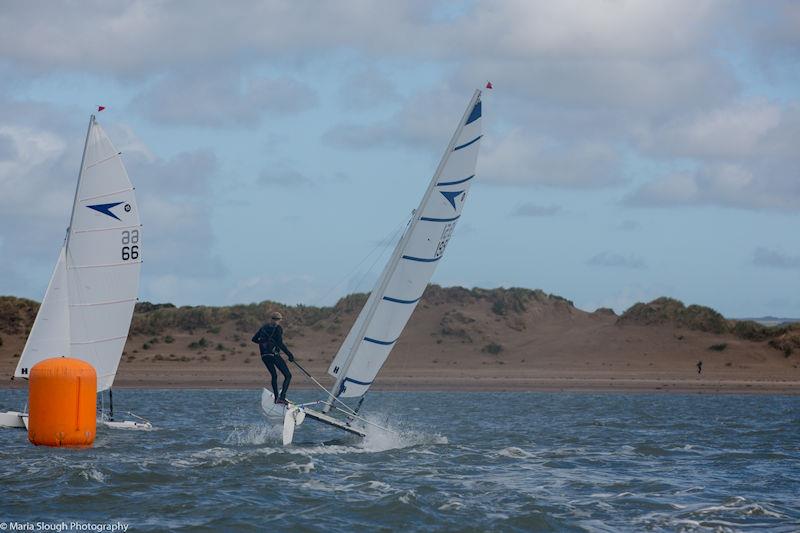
(397, 292)
(87, 308)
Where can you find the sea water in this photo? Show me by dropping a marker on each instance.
(454, 461)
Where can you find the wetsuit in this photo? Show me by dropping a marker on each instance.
(270, 342)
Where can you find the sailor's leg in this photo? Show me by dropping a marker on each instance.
(269, 363)
(287, 376)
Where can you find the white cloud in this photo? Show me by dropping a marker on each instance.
(519, 158)
(737, 130)
(765, 186)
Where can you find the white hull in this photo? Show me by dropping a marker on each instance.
(126, 424)
(13, 419)
(293, 414)
(273, 411)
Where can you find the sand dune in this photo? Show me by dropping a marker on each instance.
(459, 339)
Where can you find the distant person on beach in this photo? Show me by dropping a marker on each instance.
(270, 341)
(700, 367)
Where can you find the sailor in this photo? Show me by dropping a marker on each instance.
(270, 341)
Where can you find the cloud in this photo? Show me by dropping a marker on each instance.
(520, 158)
(615, 260)
(37, 184)
(224, 100)
(629, 225)
(532, 210)
(765, 257)
(283, 178)
(8, 147)
(738, 130)
(367, 88)
(766, 185)
(424, 121)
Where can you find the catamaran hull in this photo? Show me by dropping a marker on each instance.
(13, 419)
(126, 424)
(293, 415)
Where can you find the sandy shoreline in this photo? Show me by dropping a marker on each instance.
(506, 384)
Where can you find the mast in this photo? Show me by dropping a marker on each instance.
(375, 297)
(78, 184)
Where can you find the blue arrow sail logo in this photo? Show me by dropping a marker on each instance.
(451, 196)
(105, 209)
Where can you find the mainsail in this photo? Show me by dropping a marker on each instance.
(412, 263)
(87, 309)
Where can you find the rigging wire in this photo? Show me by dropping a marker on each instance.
(383, 244)
(347, 410)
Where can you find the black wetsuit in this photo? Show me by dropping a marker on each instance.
(270, 342)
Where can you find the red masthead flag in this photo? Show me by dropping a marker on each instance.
(100, 108)
(488, 85)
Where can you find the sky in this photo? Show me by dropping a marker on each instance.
(631, 149)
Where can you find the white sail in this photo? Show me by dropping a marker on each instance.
(412, 264)
(49, 336)
(102, 258)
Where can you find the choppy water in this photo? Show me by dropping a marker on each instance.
(462, 461)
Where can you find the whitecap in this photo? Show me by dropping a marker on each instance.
(301, 468)
(380, 486)
(93, 474)
(407, 496)
(452, 505)
(515, 453)
(254, 434)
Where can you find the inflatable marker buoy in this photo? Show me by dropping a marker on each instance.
(62, 393)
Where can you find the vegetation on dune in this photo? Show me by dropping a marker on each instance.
(17, 314)
(605, 311)
(493, 348)
(788, 342)
(785, 337)
(513, 306)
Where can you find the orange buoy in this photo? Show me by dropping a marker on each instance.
(62, 394)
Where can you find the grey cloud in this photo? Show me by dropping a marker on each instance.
(366, 89)
(629, 225)
(426, 121)
(532, 210)
(222, 100)
(615, 260)
(283, 178)
(578, 85)
(766, 185)
(523, 159)
(736, 130)
(184, 175)
(283, 174)
(37, 186)
(8, 148)
(765, 257)
(137, 39)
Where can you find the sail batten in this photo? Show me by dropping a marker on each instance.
(399, 288)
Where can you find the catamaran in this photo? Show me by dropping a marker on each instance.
(87, 308)
(397, 292)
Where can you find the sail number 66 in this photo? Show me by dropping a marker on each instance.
(130, 241)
